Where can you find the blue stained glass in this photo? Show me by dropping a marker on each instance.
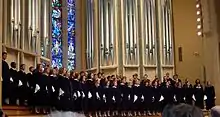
(71, 3)
(56, 3)
(56, 13)
(71, 34)
(56, 50)
(56, 27)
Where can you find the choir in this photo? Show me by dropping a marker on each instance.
(46, 89)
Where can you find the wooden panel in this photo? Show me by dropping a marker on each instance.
(29, 61)
(109, 71)
(12, 56)
(151, 72)
(168, 70)
(130, 71)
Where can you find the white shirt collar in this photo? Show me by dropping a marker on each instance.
(14, 69)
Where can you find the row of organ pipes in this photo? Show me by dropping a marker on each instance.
(167, 32)
(131, 21)
(131, 31)
(150, 32)
(107, 35)
(27, 25)
(106, 32)
(90, 34)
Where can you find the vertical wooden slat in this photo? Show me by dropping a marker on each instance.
(158, 38)
(96, 33)
(79, 40)
(64, 32)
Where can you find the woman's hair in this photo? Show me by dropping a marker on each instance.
(181, 110)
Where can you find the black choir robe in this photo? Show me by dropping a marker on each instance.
(42, 94)
(31, 82)
(199, 96)
(90, 86)
(156, 98)
(23, 89)
(13, 77)
(31, 89)
(210, 93)
(168, 94)
(49, 91)
(65, 98)
(128, 98)
(6, 80)
(137, 91)
(148, 97)
(122, 88)
(84, 92)
(179, 93)
(55, 93)
(13, 85)
(188, 93)
(37, 94)
(75, 99)
(107, 99)
(115, 97)
(97, 98)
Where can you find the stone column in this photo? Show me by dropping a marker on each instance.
(64, 32)
(119, 39)
(140, 37)
(78, 39)
(159, 36)
(50, 28)
(24, 27)
(82, 34)
(5, 18)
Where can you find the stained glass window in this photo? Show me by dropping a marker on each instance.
(56, 50)
(71, 34)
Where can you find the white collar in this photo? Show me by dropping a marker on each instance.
(114, 87)
(14, 69)
(46, 74)
(136, 85)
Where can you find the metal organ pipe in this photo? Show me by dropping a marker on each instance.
(107, 26)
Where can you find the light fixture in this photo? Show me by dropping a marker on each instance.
(199, 33)
(197, 5)
(199, 26)
(199, 18)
